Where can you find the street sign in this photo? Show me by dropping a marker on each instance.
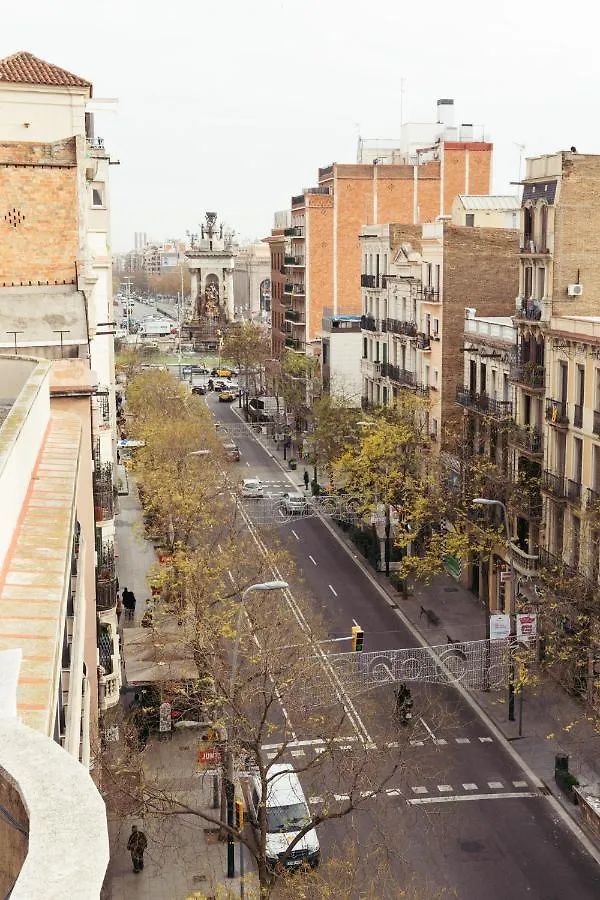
(526, 625)
(164, 717)
(208, 757)
(499, 626)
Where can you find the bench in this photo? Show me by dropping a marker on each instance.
(431, 616)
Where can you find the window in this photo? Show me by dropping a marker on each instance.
(470, 220)
(436, 375)
(436, 326)
(577, 460)
(97, 195)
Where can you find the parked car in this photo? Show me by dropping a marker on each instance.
(294, 502)
(232, 451)
(226, 397)
(199, 389)
(252, 488)
(287, 814)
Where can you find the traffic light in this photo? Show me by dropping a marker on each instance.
(358, 637)
(239, 814)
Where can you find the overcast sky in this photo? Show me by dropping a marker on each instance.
(232, 106)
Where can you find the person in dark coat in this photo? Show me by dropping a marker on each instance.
(136, 845)
(306, 480)
(128, 602)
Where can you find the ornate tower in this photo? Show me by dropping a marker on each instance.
(210, 261)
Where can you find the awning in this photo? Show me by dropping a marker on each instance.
(155, 655)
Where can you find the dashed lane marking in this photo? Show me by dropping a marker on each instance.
(458, 798)
(445, 788)
(421, 789)
(463, 740)
(520, 784)
(469, 786)
(313, 561)
(417, 743)
(485, 740)
(495, 785)
(333, 590)
(295, 535)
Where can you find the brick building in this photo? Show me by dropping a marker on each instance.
(281, 327)
(414, 181)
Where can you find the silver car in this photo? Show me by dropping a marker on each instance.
(252, 488)
(294, 502)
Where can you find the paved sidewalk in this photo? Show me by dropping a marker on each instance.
(183, 854)
(552, 721)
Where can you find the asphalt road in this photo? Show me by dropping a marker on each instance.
(459, 818)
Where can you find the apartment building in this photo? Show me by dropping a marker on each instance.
(413, 180)
(341, 347)
(416, 282)
(281, 327)
(486, 211)
(56, 282)
(48, 629)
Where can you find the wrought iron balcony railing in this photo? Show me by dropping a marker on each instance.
(557, 412)
(530, 375)
(103, 491)
(397, 326)
(527, 438)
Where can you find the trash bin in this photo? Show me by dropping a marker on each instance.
(561, 762)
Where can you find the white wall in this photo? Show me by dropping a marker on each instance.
(41, 113)
(344, 365)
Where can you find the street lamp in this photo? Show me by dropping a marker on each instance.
(485, 501)
(229, 785)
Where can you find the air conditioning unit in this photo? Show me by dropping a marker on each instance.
(575, 290)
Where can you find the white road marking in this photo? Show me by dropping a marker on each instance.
(519, 784)
(341, 797)
(333, 590)
(219, 548)
(306, 743)
(346, 747)
(440, 741)
(428, 729)
(298, 753)
(393, 792)
(271, 755)
(231, 576)
(417, 743)
(392, 745)
(470, 786)
(463, 740)
(354, 622)
(313, 561)
(460, 797)
(248, 464)
(366, 794)
(445, 788)
(319, 750)
(295, 535)
(485, 740)
(495, 785)
(316, 800)
(420, 790)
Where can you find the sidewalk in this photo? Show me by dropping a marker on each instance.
(553, 721)
(183, 854)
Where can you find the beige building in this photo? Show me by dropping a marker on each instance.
(416, 283)
(488, 211)
(252, 282)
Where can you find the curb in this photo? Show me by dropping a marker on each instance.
(556, 803)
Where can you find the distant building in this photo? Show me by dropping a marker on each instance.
(211, 264)
(486, 211)
(412, 180)
(252, 282)
(281, 328)
(340, 350)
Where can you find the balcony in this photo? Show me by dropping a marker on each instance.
(429, 295)
(529, 374)
(577, 416)
(481, 403)
(288, 287)
(423, 342)
(530, 310)
(298, 289)
(292, 315)
(593, 500)
(296, 231)
(554, 485)
(295, 344)
(371, 369)
(106, 584)
(286, 327)
(557, 412)
(527, 502)
(527, 564)
(103, 406)
(293, 260)
(367, 323)
(568, 579)
(103, 492)
(529, 439)
(397, 326)
(390, 371)
(531, 248)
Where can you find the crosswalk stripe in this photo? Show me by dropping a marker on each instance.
(457, 798)
(419, 790)
(463, 740)
(469, 786)
(444, 788)
(485, 740)
(495, 785)
(519, 784)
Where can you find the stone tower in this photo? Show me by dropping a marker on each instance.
(210, 261)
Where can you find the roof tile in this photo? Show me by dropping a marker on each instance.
(25, 68)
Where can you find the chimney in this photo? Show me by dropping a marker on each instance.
(445, 112)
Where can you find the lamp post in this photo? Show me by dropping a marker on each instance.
(485, 501)
(229, 782)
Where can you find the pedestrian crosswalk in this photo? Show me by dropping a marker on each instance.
(442, 793)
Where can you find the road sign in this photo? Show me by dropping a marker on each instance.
(208, 757)
(526, 625)
(499, 626)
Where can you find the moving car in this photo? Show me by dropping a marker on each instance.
(232, 451)
(287, 814)
(294, 502)
(252, 488)
(226, 397)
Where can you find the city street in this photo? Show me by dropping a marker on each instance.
(459, 813)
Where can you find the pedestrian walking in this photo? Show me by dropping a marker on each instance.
(128, 603)
(306, 480)
(136, 845)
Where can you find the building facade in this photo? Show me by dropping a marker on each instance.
(252, 282)
(414, 181)
(211, 263)
(341, 346)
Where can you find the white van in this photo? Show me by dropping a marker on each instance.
(287, 813)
